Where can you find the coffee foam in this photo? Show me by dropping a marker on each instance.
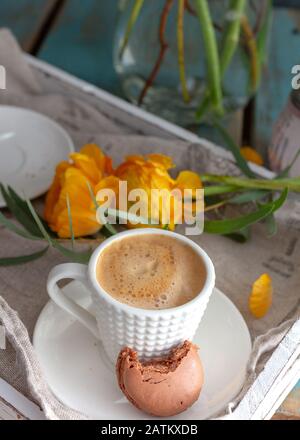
(151, 271)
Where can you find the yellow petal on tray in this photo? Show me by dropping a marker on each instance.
(260, 299)
(252, 155)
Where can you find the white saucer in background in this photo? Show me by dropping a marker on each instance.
(31, 145)
(81, 376)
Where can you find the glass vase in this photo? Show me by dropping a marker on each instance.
(147, 58)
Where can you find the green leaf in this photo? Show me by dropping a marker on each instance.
(77, 257)
(262, 35)
(38, 222)
(110, 230)
(231, 146)
(26, 221)
(128, 216)
(134, 14)
(292, 184)
(80, 257)
(13, 228)
(270, 221)
(229, 226)
(271, 225)
(249, 196)
(232, 225)
(105, 233)
(13, 261)
(23, 205)
(285, 172)
(70, 220)
(240, 236)
(92, 195)
(18, 200)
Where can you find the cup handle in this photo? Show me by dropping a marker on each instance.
(78, 272)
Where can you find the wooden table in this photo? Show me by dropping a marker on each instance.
(77, 37)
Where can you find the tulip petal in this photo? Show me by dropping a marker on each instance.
(161, 160)
(88, 166)
(54, 190)
(188, 180)
(83, 211)
(83, 223)
(252, 155)
(135, 158)
(73, 181)
(111, 183)
(94, 152)
(260, 299)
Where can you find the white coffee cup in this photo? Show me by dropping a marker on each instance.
(150, 332)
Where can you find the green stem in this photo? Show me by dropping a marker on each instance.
(262, 35)
(220, 189)
(180, 46)
(212, 56)
(232, 33)
(131, 22)
(216, 205)
(12, 261)
(203, 107)
(233, 147)
(253, 54)
(70, 220)
(272, 185)
(230, 43)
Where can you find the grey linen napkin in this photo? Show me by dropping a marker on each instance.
(237, 266)
(19, 339)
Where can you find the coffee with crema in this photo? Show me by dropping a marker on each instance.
(151, 271)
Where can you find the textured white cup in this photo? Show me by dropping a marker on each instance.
(150, 332)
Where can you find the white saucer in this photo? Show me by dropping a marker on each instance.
(31, 145)
(81, 376)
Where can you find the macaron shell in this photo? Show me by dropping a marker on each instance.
(162, 388)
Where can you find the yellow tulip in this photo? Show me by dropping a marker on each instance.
(90, 170)
(74, 180)
(146, 173)
(54, 191)
(103, 163)
(151, 172)
(83, 210)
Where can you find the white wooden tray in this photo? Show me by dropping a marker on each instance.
(282, 369)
